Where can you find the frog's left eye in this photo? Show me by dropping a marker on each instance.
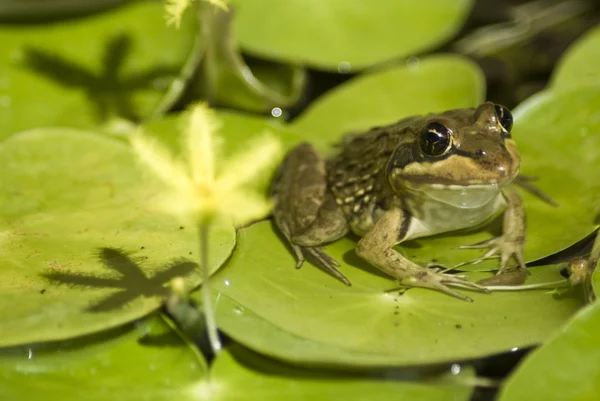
(435, 139)
(504, 117)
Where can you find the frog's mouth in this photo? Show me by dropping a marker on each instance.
(461, 196)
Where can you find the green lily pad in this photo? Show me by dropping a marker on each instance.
(145, 361)
(244, 375)
(354, 34)
(307, 316)
(81, 72)
(565, 368)
(578, 65)
(420, 87)
(150, 361)
(82, 248)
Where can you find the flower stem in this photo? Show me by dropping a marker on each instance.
(209, 314)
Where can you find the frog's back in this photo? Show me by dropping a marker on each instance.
(357, 173)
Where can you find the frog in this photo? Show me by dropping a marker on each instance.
(421, 176)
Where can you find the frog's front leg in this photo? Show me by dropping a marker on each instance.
(512, 240)
(376, 247)
(305, 211)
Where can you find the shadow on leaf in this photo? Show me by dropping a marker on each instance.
(131, 283)
(108, 90)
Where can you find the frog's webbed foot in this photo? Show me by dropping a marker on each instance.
(503, 247)
(440, 281)
(510, 243)
(321, 259)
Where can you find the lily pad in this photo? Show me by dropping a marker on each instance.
(307, 316)
(149, 361)
(332, 35)
(81, 72)
(240, 374)
(145, 361)
(578, 65)
(82, 249)
(565, 368)
(419, 87)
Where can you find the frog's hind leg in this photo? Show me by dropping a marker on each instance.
(329, 226)
(305, 211)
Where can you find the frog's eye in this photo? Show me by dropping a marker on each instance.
(505, 117)
(435, 139)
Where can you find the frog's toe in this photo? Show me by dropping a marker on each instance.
(327, 263)
(442, 282)
(499, 247)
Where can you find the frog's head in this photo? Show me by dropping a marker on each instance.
(464, 151)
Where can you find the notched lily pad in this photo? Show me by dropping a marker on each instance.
(81, 72)
(82, 248)
(354, 34)
(307, 316)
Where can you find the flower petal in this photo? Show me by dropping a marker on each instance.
(201, 144)
(244, 167)
(159, 160)
(244, 206)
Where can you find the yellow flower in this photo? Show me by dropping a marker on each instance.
(199, 190)
(176, 8)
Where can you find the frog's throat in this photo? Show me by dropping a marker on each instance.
(460, 196)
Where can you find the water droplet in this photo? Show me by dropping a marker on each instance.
(344, 67)
(413, 62)
(238, 310)
(455, 369)
(29, 353)
(276, 112)
(514, 349)
(227, 283)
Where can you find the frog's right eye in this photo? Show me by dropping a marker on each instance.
(435, 139)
